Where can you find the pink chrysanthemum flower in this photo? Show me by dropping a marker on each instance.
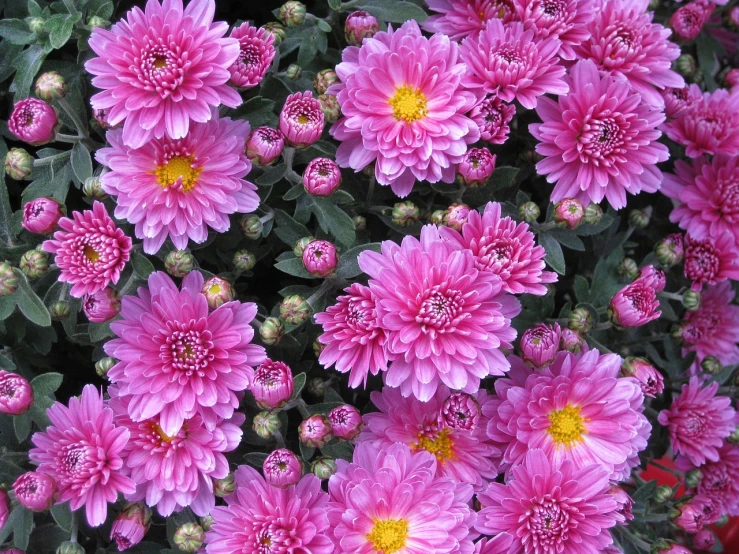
(256, 52)
(465, 455)
(403, 107)
(679, 100)
(90, 250)
(460, 19)
(180, 188)
(698, 420)
(720, 478)
(688, 20)
(446, 320)
(635, 304)
(176, 359)
(368, 515)
(710, 126)
(599, 141)
(710, 261)
(82, 450)
(263, 518)
(565, 20)
(492, 116)
(510, 62)
(551, 506)
(500, 544)
(625, 43)
(161, 68)
(353, 339)
(707, 195)
(504, 248)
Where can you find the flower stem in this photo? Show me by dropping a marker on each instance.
(73, 531)
(370, 192)
(78, 123)
(51, 159)
(71, 139)
(289, 155)
(672, 296)
(268, 216)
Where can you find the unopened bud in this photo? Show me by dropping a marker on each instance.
(244, 260)
(18, 164)
(569, 213)
(34, 264)
(315, 431)
(266, 424)
(95, 22)
(206, 522)
(663, 494)
(294, 309)
(217, 291)
(69, 547)
(93, 188)
(271, 331)
(36, 24)
(639, 218)
(294, 72)
(8, 279)
(59, 310)
(711, 364)
(292, 13)
(405, 214)
(456, 216)
(104, 365)
(628, 269)
(276, 30)
(360, 222)
(324, 79)
(692, 300)
(580, 320)
(593, 214)
(179, 263)
(251, 226)
(330, 107)
(317, 387)
(437, 217)
(189, 537)
(318, 347)
(693, 478)
(529, 212)
(323, 467)
(50, 85)
(300, 246)
(669, 251)
(224, 487)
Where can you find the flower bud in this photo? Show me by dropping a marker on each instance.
(456, 216)
(322, 177)
(540, 344)
(687, 21)
(18, 164)
(251, 226)
(346, 422)
(217, 292)
(571, 341)
(324, 79)
(8, 279)
(101, 118)
(104, 365)
(650, 380)
(593, 214)
(369, 170)
(323, 467)
(273, 385)
(34, 264)
(437, 217)
(179, 263)
(676, 332)
(189, 537)
(529, 212)
(359, 26)
(95, 22)
(131, 525)
(315, 431)
(4, 507)
(691, 300)
(266, 424)
(687, 66)
(731, 79)
(276, 30)
(33, 121)
(206, 522)
(271, 331)
(654, 277)
(224, 487)
(580, 320)
(318, 347)
(35, 491)
(244, 260)
(301, 119)
(693, 478)
(460, 411)
(93, 188)
(294, 72)
(69, 547)
(731, 18)
(317, 386)
(360, 222)
(292, 13)
(624, 502)
(299, 247)
(704, 540)
(569, 213)
(319, 258)
(628, 269)
(635, 304)
(282, 468)
(101, 306)
(405, 214)
(36, 24)
(264, 146)
(330, 107)
(663, 494)
(50, 85)
(669, 251)
(476, 167)
(711, 365)
(41, 215)
(733, 438)
(689, 516)
(639, 218)
(59, 310)
(294, 310)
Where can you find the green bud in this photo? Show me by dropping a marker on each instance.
(189, 537)
(244, 260)
(360, 222)
(692, 300)
(687, 66)
(179, 263)
(95, 22)
(36, 24)
(693, 478)
(294, 309)
(93, 188)
(18, 164)
(294, 72)
(323, 467)
(276, 30)
(217, 291)
(580, 320)
(69, 547)
(529, 212)
(639, 218)
(593, 214)
(8, 279)
(324, 79)
(330, 107)
(317, 387)
(103, 366)
(292, 13)
(301, 244)
(628, 269)
(271, 331)
(266, 424)
(723, 520)
(50, 85)
(676, 332)
(529, 156)
(34, 264)
(733, 438)
(206, 522)
(369, 170)
(59, 310)
(224, 487)
(318, 347)
(653, 5)
(663, 494)
(669, 251)
(405, 214)
(711, 364)
(251, 226)
(437, 217)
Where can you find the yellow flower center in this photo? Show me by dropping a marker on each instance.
(162, 435)
(91, 254)
(567, 425)
(409, 104)
(215, 288)
(388, 535)
(439, 444)
(178, 168)
(160, 63)
(303, 119)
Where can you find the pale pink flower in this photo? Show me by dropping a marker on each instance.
(710, 261)
(492, 116)
(130, 526)
(679, 100)
(301, 119)
(256, 52)
(460, 19)
(101, 306)
(565, 20)
(16, 393)
(33, 121)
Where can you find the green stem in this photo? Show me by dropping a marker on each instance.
(653, 338)
(603, 326)
(70, 6)
(280, 439)
(51, 159)
(665, 468)
(597, 344)
(288, 155)
(73, 531)
(326, 286)
(302, 408)
(78, 123)
(268, 216)
(129, 284)
(545, 227)
(71, 139)
(672, 296)
(370, 192)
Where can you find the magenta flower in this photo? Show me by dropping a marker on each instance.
(352, 337)
(503, 248)
(315, 431)
(319, 258)
(698, 420)
(301, 119)
(446, 320)
(465, 18)
(256, 52)
(462, 411)
(695, 513)
(176, 359)
(492, 116)
(688, 20)
(282, 468)
(635, 304)
(710, 261)
(566, 20)
(599, 141)
(41, 215)
(403, 107)
(35, 491)
(180, 188)
(101, 306)
(4, 508)
(33, 121)
(645, 374)
(720, 478)
(679, 100)
(16, 393)
(322, 177)
(346, 422)
(500, 544)
(369, 515)
(272, 385)
(90, 250)
(264, 145)
(476, 167)
(287, 520)
(162, 68)
(82, 451)
(360, 25)
(130, 526)
(540, 344)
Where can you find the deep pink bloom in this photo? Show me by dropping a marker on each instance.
(315, 431)
(102, 305)
(264, 145)
(704, 540)
(655, 277)
(360, 25)
(130, 526)
(492, 116)
(301, 119)
(319, 258)
(624, 501)
(710, 261)
(256, 52)
(679, 100)
(476, 167)
(510, 62)
(500, 544)
(569, 213)
(346, 422)
(288, 520)
(16, 393)
(565, 20)
(460, 19)
(90, 250)
(504, 248)
(41, 215)
(446, 320)
(540, 344)
(322, 177)
(176, 359)
(369, 514)
(645, 374)
(688, 20)
(695, 513)
(720, 478)
(352, 337)
(403, 108)
(636, 304)
(551, 505)
(282, 468)
(162, 68)
(82, 451)
(599, 141)
(698, 420)
(732, 77)
(35, 491)
(33, 121)
(181, 188)
(462, 411)
(4, 507)
(272, 385)
(571, 341)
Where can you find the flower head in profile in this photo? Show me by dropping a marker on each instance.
(446, 320)
(460, 19)
(256, 52)
(710, 261)
(162, 69)
(492, 116)
(404, 108)
(82, 451)
(635, 304)
(33, 121)
(720, 478)
(599, 141)
(679, 100)
(177, 359)
(566, 20)
(540, 344)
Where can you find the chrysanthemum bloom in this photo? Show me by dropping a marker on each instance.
(710, 261)
(264, 145)
(635, 305)
(272, 385)
(319, 258)
(710, 126)
(688, 20)
(368, 514)
(82, 451)
(403, 107)
(130, 526)
(565, 20)
(512, 64)
(504, 248)
(101, 306)
(33, 121)
(646, 375)
(624, 502)
(282, 468)
(540, 344)
(679, 100)
(695, 513)
(162, 68)
(322, 177)
(352, 337)
(720, 478)
(492, 116)
(35, 491)
(599, 141)
(260, 516)
(301, 119)
(446, 320)
(176, 359)
(359, 26)
(707, 195)
(346, 422)
(16, 393)
(90, 250)
(576, 409)
(41, 215)
(180, 188)
(463, 453)
(315, 431)
(476, 167)
(500, 544)
(460, 19)
(462, 411)
(256, 52)
(551, 505)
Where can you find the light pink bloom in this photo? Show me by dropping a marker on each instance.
(16, 393)
(130, 526)
(636, 304)
(599, 141)
(256, 52)
(264, 145)
(319, 258)
(369, 515)
(500, 544)
(565, 20)
(288, 520)
(301, 119)
(688, 20)
(476, 167)
(33, 121)
(282, 468)
(492, 116)
(698, 421)
(679, 100)
(162, 68)
(503, 248)
(101, 306)
(403, 107)
(710, 261)
(41, 215)
(446, 320)
(272, 385)
(82, 451)
(569, 213)
(35, 491)
(510, 62)
(571, 341)
(322, 177)
(176, 359)
(540, 344)
(90, 250)
(645, 374)
(460, 19)
(346, 422)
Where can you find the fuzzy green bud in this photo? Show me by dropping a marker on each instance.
(244, 260)
(687, 66)
(34, 264)
(292, 13)
(272, 331)
(330, 107)
(317, 387)
(59, 310)
(405, 214)
(437, 217)
(69, 547)
(294, 309)
(628, 269)
(217, 291)
(266, 424)
(189, 537)
(580, 320)
(529, 212)
(276, 30)
(711, 364)
(593, 214)
(93, 188)
(318, 347)
(693, 478)
(36, 24)
(179, 263)
(360, 222)
(323, 467)
(104, 365)
(251, 226)
(294, 72)
(663, 494)
(50, 85)
(206, 522)
(224, 487)
(95, 22)
(324, 79)
(639, 218)
(692, 300)
(300, 246)
(18, 164)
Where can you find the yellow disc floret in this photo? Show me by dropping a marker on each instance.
(567, 425)
(409, 104)
(440, 444)
(388, 535)
(178, 168)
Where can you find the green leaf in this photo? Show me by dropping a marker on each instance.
(312, 41)
(22, 426)
(257, 111)
(29, 303)
(255, 459)
(60, 26)
(100, 8)
(298, 384)
(333, 219)
(393, 11)
(288, 230)
(306, 452)
(323, 26)
(589, 229)
(27, 64)
(16, 31)
(46, 384)
(294, 193)
(348, 267)
(605, 283)
(22, 528)
(81, 162)
(568, 239)
(271, 175)
(342, 450)
(323, 407)
(707, 48)
(7, 306)
(100, 331)
(334, 4)
(555, 257)
(142, 266)
(294, 267)
(62, 515)
(581, 288)
(6, 212)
